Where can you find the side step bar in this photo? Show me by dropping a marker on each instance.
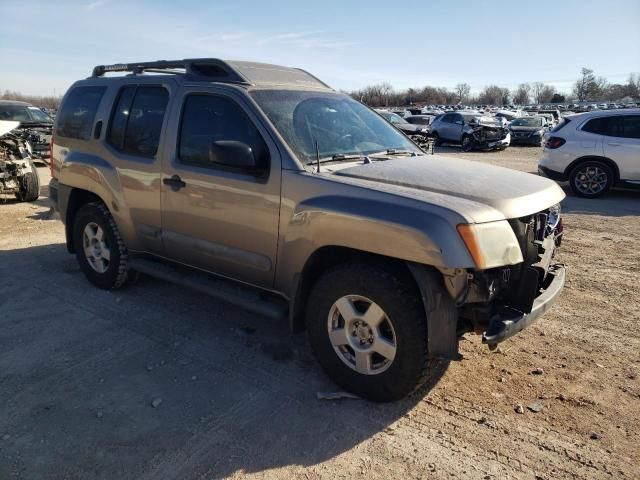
(229, 291)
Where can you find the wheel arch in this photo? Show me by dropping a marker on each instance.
(76, 198)
(607, 161)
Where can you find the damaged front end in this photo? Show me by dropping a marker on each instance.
(500, 302)
(18, 176)
(486, 133)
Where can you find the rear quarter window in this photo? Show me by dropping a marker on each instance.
(599, 126)
(75, 118)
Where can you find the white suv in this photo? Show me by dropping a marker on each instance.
(594, 151)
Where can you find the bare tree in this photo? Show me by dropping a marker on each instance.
(462, 91)
(521, 94)
(586, 87)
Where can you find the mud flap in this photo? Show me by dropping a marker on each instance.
(441, 311)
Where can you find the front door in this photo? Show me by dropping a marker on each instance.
(622, 145)
(216, 215)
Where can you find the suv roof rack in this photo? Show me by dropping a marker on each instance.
(194, 68)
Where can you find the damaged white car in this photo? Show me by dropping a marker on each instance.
(471, 131)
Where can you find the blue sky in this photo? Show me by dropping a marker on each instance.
(46, 45)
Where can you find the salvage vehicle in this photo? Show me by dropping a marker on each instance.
(18, 175)
(264, 187)
(35, 125)
(419, 133)
(528, 131)
(594, 151)
(471, 131)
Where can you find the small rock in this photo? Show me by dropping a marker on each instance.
(118, 299)
(502, 380)
(156, 402)
(599, 365)
(6, 437)
(535, 407)
(149, 368)
(542, 333)
(537, 371)
(194, 378)
(594, 436)
(519, 408)
(431, 466)
(99, 414)
(482, 420)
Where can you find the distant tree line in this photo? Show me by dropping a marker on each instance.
(588, 87)
(39, 101)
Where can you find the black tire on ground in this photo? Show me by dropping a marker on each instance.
(436, 139)
(599, 172)
(393, 289)
(466, 143)
(117, 271)
(30, 187)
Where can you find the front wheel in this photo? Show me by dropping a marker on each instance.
(29, 190)
(100, 250)
(368, 329)
(467, 143)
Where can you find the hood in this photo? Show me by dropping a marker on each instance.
(7, 125)
(513, 193)
(410, 127)
(520, 128)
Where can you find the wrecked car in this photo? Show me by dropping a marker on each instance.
(35, 126)
(471, 131)
(419, 133)
(18, 175)
(264, 187)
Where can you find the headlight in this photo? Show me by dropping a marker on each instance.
(539, 133)
(491, 244)
(554, 216)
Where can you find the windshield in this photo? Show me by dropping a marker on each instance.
(336, 123)
(527, 122)
(23, 113)
(392, 117)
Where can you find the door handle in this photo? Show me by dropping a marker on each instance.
(613, 144)
(175, 182)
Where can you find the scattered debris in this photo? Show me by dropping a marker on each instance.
(537, 371)
(535, 407)
(194, 378)
(155, 403)
(595, 436)
(335, 395)
(519, 408)
(99, 414)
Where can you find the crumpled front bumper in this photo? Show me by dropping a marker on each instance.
(510, 322)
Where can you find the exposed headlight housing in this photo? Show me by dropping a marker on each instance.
(491, 244)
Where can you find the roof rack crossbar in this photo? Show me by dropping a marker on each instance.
(195, 68)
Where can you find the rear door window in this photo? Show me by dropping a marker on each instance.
(136, 123)
(600, 126)
(76, 116)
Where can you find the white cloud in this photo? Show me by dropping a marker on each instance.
(94, 5)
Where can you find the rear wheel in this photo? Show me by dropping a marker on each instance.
(368, 329)
(591, 179)
(100, 250)
(30, 186)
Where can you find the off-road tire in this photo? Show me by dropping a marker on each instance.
(30, 186)
(591, 163)
(118, 271)
(394, 290)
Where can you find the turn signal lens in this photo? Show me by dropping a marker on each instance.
(471, 241)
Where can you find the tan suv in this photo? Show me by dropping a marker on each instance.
(261, 185)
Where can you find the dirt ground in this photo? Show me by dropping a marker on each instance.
(159, 382)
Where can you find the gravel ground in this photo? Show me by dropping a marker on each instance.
(158, 382)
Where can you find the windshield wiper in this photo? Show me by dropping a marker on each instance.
(338, 157)
(394, 151)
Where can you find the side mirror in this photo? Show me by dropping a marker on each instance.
(233, 154)
(459, 122)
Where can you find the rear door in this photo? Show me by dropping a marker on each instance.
(622, 145)
(215, 215)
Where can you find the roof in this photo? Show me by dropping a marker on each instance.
(220, 71)
(14, 102)
(605, 113)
